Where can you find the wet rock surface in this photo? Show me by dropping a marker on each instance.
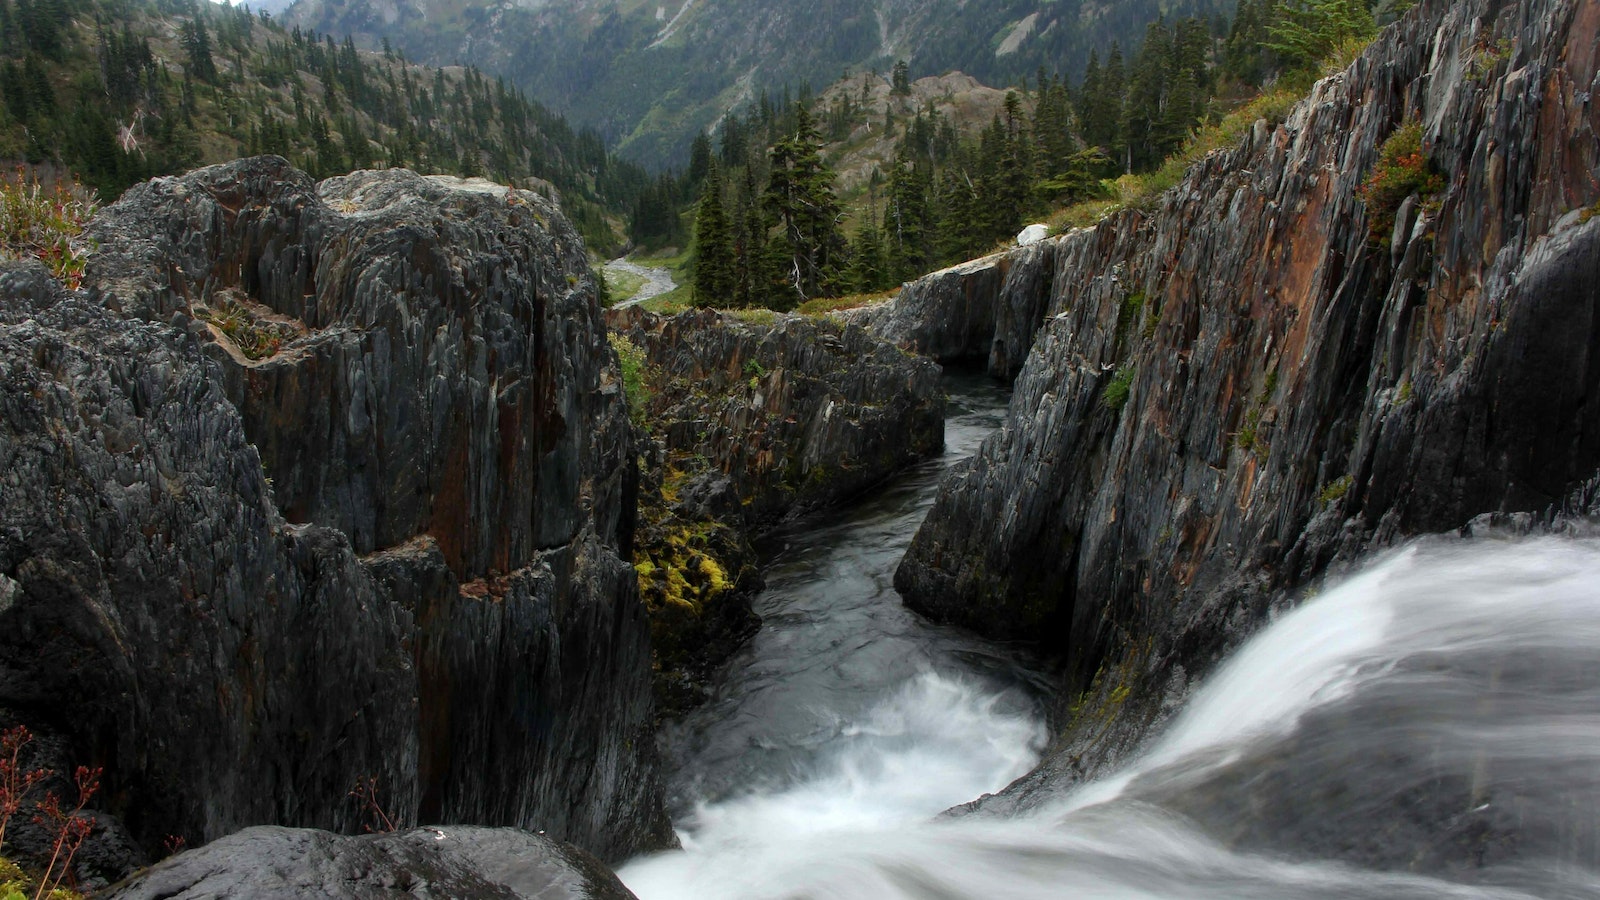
(753, 420)
(454, 861)
(316, 483)
(1238, 390)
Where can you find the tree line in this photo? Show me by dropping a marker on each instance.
(93, 85)
(768, 224)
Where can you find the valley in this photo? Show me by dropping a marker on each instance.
(365, 532)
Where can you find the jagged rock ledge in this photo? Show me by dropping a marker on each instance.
(753, 419)
(317, 483)
(985, 311)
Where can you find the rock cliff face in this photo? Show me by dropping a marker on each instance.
(751, 421)
(315, 483)
(1240, 387)
(985, 311)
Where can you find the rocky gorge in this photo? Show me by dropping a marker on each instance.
(322, 510)
(1245, 385)
(321, 485)
(751, 420)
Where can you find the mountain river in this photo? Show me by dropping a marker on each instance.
(1429, 727)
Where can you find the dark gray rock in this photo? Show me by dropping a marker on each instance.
(454, 861)
(1295, 395)
(799, 412)
(317, 483)
(985, 311)
(223, 666)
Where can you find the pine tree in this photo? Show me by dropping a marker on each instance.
(868, 268)
(197, 47)
(699, 161)
(906, 220)
(1305, 32)
(750, 247)
(901, 80)
(800, 198)
(714, 263)
(1147, 86)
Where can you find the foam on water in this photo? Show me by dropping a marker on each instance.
(1438, 712)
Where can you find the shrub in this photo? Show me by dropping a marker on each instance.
(1115, 396)
(632, 360)
(1402, 170)
(255, 340)
(1335, 490)
(70, 827)
(46, 224)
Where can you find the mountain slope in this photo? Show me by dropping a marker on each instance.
(650, 75)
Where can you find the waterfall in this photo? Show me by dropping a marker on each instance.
(1428, 728)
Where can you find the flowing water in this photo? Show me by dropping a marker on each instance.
(1428, 728)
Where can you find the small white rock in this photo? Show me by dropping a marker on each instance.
(1033, 234)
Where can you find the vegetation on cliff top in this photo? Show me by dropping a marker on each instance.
(45, 223)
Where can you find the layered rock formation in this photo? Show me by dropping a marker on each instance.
(1240, 387)
(319, 483)
(427, 862)
(986, 311)
(750, 421)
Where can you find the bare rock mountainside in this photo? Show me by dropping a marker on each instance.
(315, 484)
(1231, 392)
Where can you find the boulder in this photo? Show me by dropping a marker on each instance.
(454, 861)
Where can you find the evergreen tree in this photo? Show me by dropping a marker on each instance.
(197, 49)
(1245, 55)
(906, 220)
(1305, 32)
(750, 247)
(699, 162)
(901, 79)
(1142, 110)
(714, 263)
(800, 198)
(868, 268)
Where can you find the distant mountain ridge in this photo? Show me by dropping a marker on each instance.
(649, 75)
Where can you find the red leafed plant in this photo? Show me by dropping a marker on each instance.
(71, 829)
(16, 782)
(366, 795)
(69, 826)
(1403, 169)
(46, 224)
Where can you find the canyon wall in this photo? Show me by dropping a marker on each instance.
(1241, 386)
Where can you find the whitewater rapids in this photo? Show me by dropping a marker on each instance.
(1427, 728)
